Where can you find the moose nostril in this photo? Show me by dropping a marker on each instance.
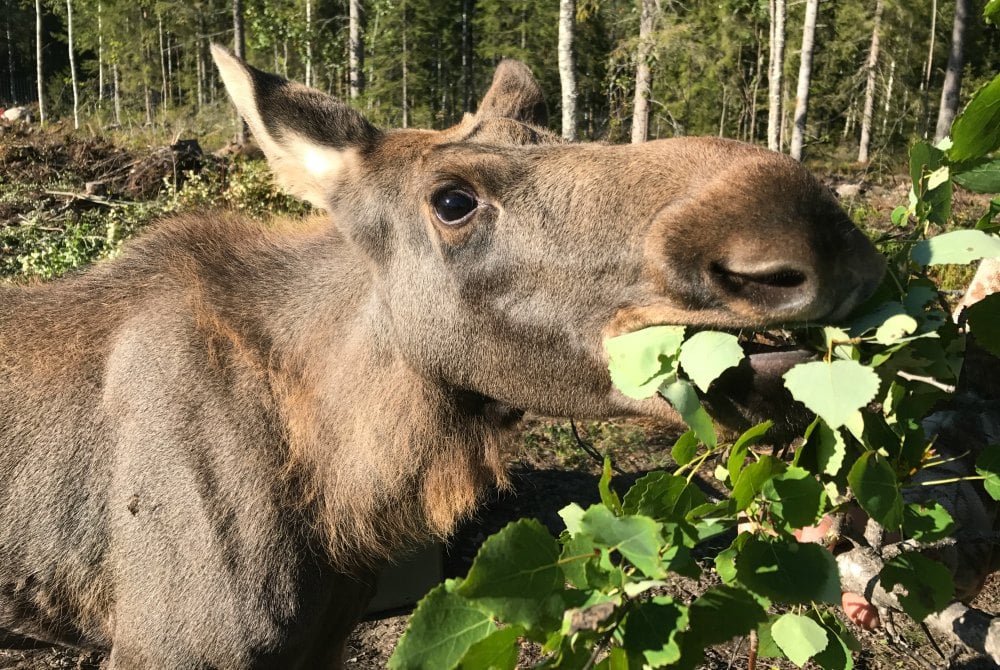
(770, 286)
(782, 277)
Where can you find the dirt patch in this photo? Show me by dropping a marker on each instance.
(58, 155)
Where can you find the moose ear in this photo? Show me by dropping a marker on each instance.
(308, 137)
(514, 94)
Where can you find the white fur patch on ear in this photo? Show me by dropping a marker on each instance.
(320, 162)
(310, 170)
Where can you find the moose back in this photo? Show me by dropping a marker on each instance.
(209, 445)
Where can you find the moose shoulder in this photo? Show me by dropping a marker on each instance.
(209, 445)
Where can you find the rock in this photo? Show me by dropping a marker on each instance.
(848, 191)
(14, 114)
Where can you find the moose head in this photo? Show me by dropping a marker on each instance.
(500, 256)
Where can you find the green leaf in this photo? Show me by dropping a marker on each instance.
(637, 538)
(725, 565)
(933, 203)
(651, 631)
(927, 522)
(499, 651)
(663, 496)
(685, 448)
(981, 176)
(895, 328)
(682, 396)
(579, 564)
(640, 361)
(835, 391)
(796, 496)
(617, 659)
(988, 465)
(938, 177)
(919, 294)
(706, 354)
(791, 572)
(753, 478)
(837, 655)
(877, 489)
(831, 449)
(767, 648)
(900, 216)
(958, 247)
(838, 342)
(976, 131)
(608, 496)
(927, 584)
(992, 11)
(441, 630)
(799, 637)
(983, 318)
(572, 516)
(515, 576)
(722, 613)
(740, 448)
(985, 222)
(876, 318)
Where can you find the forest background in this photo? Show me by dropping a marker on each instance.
(882, 71)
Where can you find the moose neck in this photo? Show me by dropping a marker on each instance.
(367, 434)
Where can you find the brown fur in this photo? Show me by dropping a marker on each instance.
(209, 445)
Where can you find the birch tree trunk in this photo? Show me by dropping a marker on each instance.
(406, 70)
(758, 68)
(887, 107)
(357, 50)
(953, 75)
(164, 83)
(467, 55)
(775, 74)
(239, 48)
(201, 62)
(100, 53)
(869, 108)
(72, 64)
(117, 94)
(39, 62)
(805, 77)
(567, 69)
(309, 44)
(925, 85)
(10, 54)
(643, 75)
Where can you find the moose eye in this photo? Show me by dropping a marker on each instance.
(453, 206)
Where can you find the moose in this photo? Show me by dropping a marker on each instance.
(210, 444)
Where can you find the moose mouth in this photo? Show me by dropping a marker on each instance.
(754, 391)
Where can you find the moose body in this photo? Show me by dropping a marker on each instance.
(209, 445)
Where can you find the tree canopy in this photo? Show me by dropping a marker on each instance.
(426, 62)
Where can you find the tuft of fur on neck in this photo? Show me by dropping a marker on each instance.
(384, 460)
